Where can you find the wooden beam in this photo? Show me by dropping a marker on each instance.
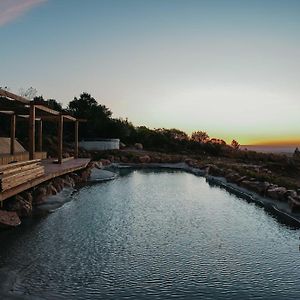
(40, 136)
(12, 96)
(27, 117)
(67, 118)
(7, 112)
(70, 118)
(32, 131)
(60, 138)
(76, 139)
(47, 109)
(14, 110)
(12, 134)
(50, 118)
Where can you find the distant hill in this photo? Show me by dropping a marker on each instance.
(288, 150)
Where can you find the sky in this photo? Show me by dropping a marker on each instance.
(229, 67)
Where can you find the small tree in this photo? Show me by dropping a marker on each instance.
(296, 153)
(200, 136)
(235, 145)
(29, 93)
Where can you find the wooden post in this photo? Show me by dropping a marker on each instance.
(60, 138)
(40, 136)
(12, 134)
(76, 139)
(32, 131)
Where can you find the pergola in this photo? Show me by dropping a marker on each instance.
(35, 112)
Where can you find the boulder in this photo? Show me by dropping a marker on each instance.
(122, 145)
(75, 177)
(105, 162)
(85, 175)
(291, 193)
(277, 193)
(256, 186)
(9, 219)
(124, 159)
(144, 159)
(98, 165)
(28, 197)
(216, 171)
(40, 195)
(232, 177)
(138, 146)
(70, 180)
(111, 158)
(66, 183)
(58, 183)
(294, 203)
(117, 159)
(21, 206)
(51, 190)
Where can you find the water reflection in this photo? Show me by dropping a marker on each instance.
(154, 235)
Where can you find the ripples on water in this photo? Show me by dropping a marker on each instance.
(154, 235)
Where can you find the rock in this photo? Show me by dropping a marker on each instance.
(105, 162)
(70, 180)
(51, 190)
(124, 159)
(216, 171)
(117, 159)
(98, 165)
(65, 183)
(58, 183)
(232, 177)
(28, 197)
(190, 162)
(256, 186)
(291, 193)
(122, 145)
(40, 195)
(85, 175)
(240, 179)
(138, 146)
(144, 159)
(294, 203)
(111, 158)
(75, 177)
(9, 219)
(21, 206)
(277, 193)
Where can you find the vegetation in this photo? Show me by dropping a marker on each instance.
(101, 124)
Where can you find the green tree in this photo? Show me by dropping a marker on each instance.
(98, 116)
(235, 145)
(200, 136)
(86, 106)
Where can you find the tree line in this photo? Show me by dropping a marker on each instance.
(101, 124)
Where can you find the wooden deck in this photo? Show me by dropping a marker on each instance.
(51, 170)
(21, 156)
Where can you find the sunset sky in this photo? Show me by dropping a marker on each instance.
(231, 68)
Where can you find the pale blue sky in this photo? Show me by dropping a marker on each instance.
(229, 67)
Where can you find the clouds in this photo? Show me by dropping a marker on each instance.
(10, 10)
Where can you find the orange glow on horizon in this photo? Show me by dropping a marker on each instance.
(276, 142)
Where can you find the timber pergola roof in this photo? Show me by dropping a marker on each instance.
(17, 106)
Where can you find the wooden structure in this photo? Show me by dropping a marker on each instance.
(36, 113)
(12, 175)
(51, 170)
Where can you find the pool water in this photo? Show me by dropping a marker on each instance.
(153, 235)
